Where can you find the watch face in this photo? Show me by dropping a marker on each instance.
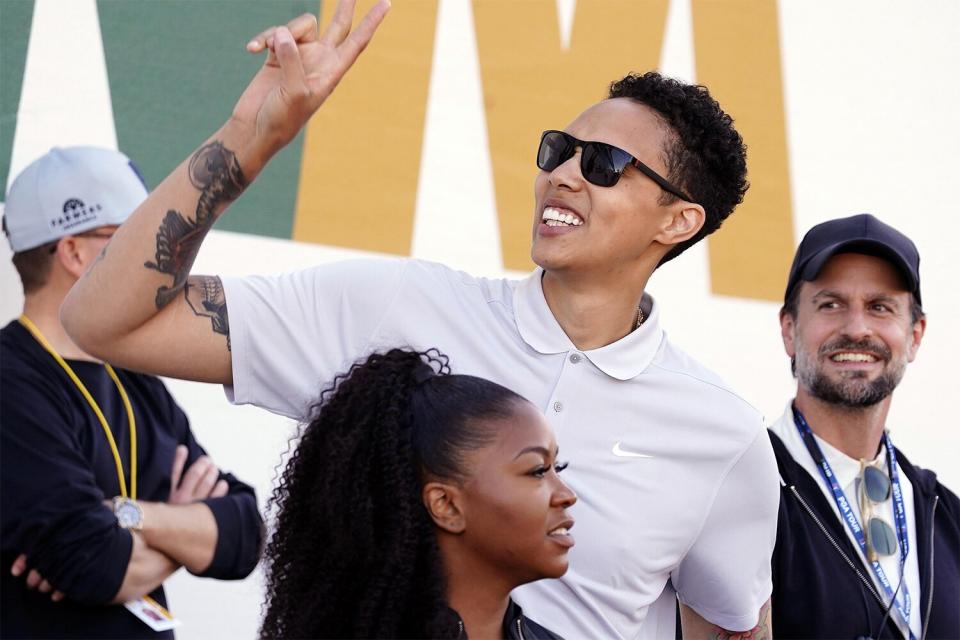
(128, 514)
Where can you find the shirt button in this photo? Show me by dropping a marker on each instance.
(558, 406)
(574, 358)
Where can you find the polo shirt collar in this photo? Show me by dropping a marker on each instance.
(624, 359)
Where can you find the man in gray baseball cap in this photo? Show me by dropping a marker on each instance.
(70, 191)
(105, 492)
(82, 193)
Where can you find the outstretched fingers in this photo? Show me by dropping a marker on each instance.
(301, 70)
(339, 26)
(360, 37)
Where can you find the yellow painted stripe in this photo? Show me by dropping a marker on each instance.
(361, 156)
(737, 46)
(531, 83)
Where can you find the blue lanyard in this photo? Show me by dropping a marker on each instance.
(899, 512)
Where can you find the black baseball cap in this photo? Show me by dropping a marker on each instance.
(862, 234)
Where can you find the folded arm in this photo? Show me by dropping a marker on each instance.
(184, 534)
(53, 511)
(146, 570)
(65, 537)
(210, 522)
(187, 533)
(217, 536)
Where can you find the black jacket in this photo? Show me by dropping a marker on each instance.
(516, 626)
(821, 588)
(56, 468)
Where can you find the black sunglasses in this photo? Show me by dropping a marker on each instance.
(600, 163)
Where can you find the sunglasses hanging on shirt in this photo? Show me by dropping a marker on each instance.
(875, 490)
(875, 487)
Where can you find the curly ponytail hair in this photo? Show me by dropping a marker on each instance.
(354, 553)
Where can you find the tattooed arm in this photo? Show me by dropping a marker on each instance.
(696, 627)
(138, 306)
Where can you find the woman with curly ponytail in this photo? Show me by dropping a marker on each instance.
(414, 503)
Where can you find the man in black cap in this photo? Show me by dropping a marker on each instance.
(867, 544)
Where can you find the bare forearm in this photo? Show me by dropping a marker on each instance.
(146, 571)
(695, 627)
(186, 533)
(146, 265)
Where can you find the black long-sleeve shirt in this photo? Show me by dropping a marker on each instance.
(57, 469)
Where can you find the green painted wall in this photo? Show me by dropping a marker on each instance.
(176, 67)
(15, 18)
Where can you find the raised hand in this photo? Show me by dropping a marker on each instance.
(301, 70)
(108, 312)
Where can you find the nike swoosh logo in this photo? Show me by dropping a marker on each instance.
(620, 452)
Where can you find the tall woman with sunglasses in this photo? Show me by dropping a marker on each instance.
(412, 506)
(629, 184)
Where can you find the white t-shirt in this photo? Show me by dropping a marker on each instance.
(699, 509)
(847, 471)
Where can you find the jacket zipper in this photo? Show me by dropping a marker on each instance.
(836, 546)
(925, 623)
(520, 628)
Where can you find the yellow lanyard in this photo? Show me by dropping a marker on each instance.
(32, 328)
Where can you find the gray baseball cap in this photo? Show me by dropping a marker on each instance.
(68, 191)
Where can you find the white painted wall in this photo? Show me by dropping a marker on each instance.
(871, 103)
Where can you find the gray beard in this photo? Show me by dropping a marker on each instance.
(854, 391)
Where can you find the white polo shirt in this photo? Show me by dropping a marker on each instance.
(675, 476)
(847, 472)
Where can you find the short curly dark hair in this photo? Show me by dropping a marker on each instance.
(706, 157)
(354, 553)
